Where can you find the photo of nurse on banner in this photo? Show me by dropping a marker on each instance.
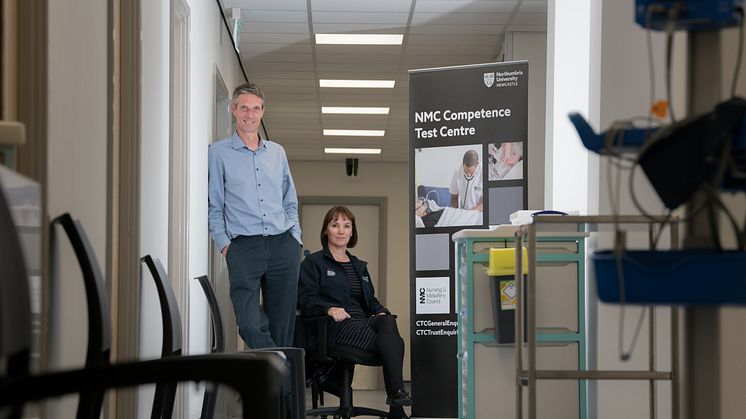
(448, 186)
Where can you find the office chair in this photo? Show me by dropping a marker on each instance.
(331, 369)
(98, 352)
(217, 346)
(165, 392)
(293, 356)
(18, 386)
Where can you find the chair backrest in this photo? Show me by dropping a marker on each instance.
(218, 344)
(209, 401)
(15, 304)
(169, 308)
(99, 320)
(165, 392)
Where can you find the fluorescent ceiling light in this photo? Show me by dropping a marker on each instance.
(356, 132)
(352, 150)
(354, 110)
(358, 39)
(375, 84)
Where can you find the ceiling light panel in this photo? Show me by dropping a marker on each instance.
(372, 84)
(329, 150)
(359, 39)
(355, 132)
(357, 110)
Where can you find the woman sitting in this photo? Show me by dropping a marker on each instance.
(335, 283)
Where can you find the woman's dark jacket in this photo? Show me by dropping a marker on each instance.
(323, 284)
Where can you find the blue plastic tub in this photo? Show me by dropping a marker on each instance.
(687, 277)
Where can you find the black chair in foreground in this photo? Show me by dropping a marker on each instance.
(331, 369)
(18, 386)
(98, 352)
(165, 392)
(218, 345)
(294, 381)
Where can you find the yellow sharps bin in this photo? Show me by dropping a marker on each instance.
(501, 271)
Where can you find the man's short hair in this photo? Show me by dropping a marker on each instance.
(249, 88)
(471, 158)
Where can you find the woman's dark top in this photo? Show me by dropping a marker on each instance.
(355, 331)
(324, 283)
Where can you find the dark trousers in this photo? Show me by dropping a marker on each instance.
(266, 264)
(390, 346)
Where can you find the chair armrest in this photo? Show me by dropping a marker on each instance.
(258, 378)
(322, 326)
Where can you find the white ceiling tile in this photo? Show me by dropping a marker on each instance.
(416, 40)
(267, 66)
(276, 38)
(534, 6)
(273, 16)
(354, 68)
(254, 49)
(396, 19)
(528, 28)
(353, 95)
(451, 50)
(265, 4)
(464, 6)
(530, 19)
(269, 83)
(460, 18)
(357, 58)
(361, 6)
(262, 27)
(457, 29)
(279, 58)
(282, 75)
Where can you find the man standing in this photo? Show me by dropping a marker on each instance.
(253, 220)
(466, 183)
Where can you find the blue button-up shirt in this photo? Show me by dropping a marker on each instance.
(250, 192)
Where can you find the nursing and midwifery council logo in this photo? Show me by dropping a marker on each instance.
(489, 79)
(433, 295)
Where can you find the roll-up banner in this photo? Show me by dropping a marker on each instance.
(467, 168)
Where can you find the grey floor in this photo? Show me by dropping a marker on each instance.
(229, 407)
(375, 399)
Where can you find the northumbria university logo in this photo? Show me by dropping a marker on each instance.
(489, 79)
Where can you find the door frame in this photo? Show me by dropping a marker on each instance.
(382, 203)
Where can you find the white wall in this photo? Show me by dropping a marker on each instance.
(532, 46)
(211, 51)
(622, 90)
(77, 109)
(154, 177)
(568, 66)
(732, 319)
(379, 180)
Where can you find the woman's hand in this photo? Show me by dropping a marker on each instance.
(338, 314)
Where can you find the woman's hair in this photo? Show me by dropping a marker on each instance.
(333, 214)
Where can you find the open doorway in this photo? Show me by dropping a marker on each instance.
(370, 220)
